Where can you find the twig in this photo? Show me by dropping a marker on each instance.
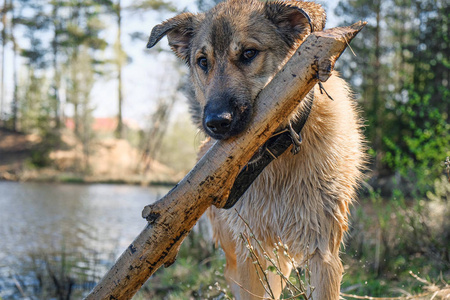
(419, 278)
(18, 286)
(322, 89)
(270, 260)
(286, 253)
(248, 290)
(387, 298)
(349, 46)
(222, 290)
(259, 297)
(267, 257)
(255, 257)
(275, 252)
(434, 295)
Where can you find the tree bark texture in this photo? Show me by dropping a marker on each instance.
(171, 218)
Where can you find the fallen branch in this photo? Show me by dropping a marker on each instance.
(209, 182)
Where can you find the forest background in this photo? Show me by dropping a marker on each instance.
(78, 94)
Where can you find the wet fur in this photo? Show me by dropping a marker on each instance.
(301, 199)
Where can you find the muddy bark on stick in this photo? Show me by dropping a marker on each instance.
(209, 182)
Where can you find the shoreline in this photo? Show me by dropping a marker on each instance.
(73, 178)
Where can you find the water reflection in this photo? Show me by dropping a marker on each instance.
(49, 228)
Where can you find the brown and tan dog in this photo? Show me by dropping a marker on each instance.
(233, 51)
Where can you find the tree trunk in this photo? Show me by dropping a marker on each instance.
(2, 75)
(119, 129)
(377, 101)
(56, 72)
(209, 182)
(15, 104)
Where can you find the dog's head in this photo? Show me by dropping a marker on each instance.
(233, 51)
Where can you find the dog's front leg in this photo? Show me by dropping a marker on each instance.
(252, 281)
(326, 274)
(249, 280)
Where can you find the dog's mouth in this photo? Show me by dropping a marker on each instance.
(222, 122)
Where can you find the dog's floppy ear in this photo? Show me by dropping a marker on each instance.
(179, 31)
(295, 20)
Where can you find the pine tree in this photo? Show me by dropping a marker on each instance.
(421, 145)
(401, 72)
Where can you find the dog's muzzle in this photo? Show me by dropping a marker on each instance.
(219, 124)
(224, 119)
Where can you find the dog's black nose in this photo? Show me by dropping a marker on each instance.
(219, 123)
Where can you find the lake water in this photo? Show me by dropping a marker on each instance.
(65, 231)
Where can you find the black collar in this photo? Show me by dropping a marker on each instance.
(276, 145)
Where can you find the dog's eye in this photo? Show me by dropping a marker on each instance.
(249, 54)
(203, 63)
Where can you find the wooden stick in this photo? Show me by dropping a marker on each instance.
(171, 218)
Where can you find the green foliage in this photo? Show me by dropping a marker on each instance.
(40, 154)
(401, 73)
(34, 104)
(441, 190)
(153, 5)
(418, 151)
(421, 142)
(69, 178)
(35, 109)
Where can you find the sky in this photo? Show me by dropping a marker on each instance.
(149, 75)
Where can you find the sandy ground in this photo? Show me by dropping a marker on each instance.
(111, 160)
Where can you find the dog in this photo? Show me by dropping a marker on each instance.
(233, 51)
